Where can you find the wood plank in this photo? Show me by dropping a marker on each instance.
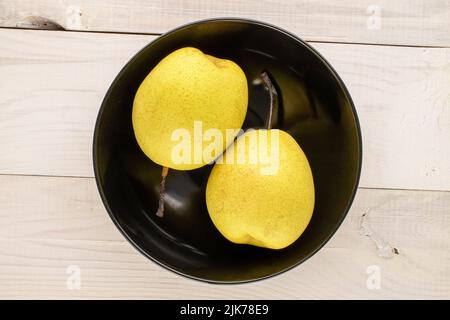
(50, 223)
(50, 92)
(53, 208)
(53, 83)
(419, 22)
(402, 96)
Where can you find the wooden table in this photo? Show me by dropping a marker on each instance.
(56, 239)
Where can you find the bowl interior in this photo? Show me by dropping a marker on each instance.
(314, 108)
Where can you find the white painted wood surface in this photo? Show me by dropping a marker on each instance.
(406, 22)
(55, 222)
(52, 84)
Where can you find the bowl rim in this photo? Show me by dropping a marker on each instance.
(251, 22)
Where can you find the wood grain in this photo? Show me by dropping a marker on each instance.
(51, 87)
(418, 22)
(53, 83)
(50, 223)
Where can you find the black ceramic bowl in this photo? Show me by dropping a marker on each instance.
(315, 108)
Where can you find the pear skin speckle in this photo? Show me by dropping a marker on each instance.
(269, 211)
(184, 87)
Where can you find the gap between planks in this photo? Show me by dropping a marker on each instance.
(34, 260)
(392, 22)
(308, 41)
(56, 82)
(93, 178)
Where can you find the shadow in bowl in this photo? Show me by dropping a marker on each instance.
(315, 108)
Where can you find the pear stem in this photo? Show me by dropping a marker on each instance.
(266, 79)
(162, 189)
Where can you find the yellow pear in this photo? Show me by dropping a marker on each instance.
(184, 88)
(261, 191)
